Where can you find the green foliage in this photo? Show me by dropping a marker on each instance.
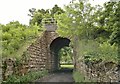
(38, 15)
(100, 24)
(77, 20)
(56, 10)
(6, 36)
(65, 55)
(94, 51)
(14, 35)
(109, 20)
(108, 51)
(85, 21)
(29, 77)
(15, 44)
(79, 77)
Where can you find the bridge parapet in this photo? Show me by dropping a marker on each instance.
(50, 24)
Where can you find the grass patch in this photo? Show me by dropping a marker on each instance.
(67, 66)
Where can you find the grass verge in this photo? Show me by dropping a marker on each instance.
(67, 66)
(29, 77)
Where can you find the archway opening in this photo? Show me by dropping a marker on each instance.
(59, 46)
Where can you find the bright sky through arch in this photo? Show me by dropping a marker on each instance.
(17, 10)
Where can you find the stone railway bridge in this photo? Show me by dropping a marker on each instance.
(40, 55)
(44, 52)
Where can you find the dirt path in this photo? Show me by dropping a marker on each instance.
(60, 76)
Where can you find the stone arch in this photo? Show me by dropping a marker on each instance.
(55, 46)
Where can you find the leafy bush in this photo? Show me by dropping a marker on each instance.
(4, 44)
(6, 36)
(108, 52)
(14, 35)
(15, 44)
(93, 51)
(29, 77)
(5, 29)
(5, 53)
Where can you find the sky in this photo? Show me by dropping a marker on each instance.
(18, 10)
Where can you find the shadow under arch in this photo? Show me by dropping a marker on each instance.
(55, 46)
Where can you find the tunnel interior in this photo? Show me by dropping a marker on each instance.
(55, 47)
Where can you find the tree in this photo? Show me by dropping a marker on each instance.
(66, 55)
(32, 11)
(77, 20)
(107, 20)
(56, 10)
(14, 35)
(38, 15)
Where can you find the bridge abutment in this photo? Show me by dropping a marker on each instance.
(40, 53)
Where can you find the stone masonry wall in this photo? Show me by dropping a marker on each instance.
(40, 55)
(100, 72)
